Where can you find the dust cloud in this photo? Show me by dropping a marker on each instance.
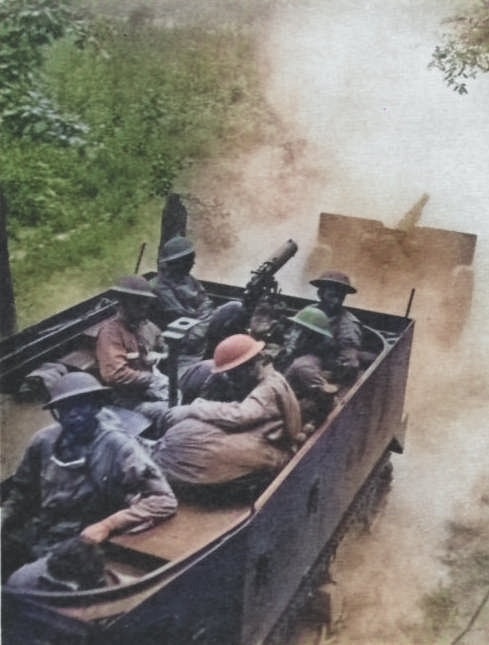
(368, 129)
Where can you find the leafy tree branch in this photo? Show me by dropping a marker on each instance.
(27, 27)
(465, 49)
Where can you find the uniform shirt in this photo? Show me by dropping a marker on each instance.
(215, 442)
(57, 500)
(343, 360)
(122, 354)
(187, 297)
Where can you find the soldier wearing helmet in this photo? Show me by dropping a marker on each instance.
(129, 347)
(180, 294)
(199, 379)
(246, 441)
(304, 360)
(82, 475)
(332, 289)
(310, 334)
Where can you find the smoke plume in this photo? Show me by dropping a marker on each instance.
(368, 130)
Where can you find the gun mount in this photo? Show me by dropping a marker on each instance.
(263, 285)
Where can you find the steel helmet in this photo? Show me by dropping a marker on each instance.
(134, 285)
(313, 318)
(235, 350)
(177, 247)
(334, 277)
(75, 384)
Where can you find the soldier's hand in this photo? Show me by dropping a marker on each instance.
(175, 414)
(97, 533)
(153, 358)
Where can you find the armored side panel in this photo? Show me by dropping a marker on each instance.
(201, 604)
(26, 623)
(298, 517)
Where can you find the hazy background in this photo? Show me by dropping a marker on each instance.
(367, 130)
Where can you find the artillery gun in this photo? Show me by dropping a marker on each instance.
(387, 263)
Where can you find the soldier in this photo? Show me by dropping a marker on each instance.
(332, 289)
(73, 565)
(199, 380)
(242, 442)
(180, 294)
(305, 359)
(82, 475)
(129, 348)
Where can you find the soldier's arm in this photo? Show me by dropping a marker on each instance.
(145, 491)
(23, 499)
(113, 362)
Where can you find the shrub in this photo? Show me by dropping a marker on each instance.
(154, 102)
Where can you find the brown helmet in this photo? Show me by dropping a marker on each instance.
(334, 277)
(134, 285)
(235, 350)
(75, 384)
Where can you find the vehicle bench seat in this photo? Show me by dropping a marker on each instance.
(84, 357)
(190, 529)
(80, 359)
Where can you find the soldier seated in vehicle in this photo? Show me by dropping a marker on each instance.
(73, 565)
(180, 294)
(199, 380)
(128, 350)
(304, 360)
(230, 446)
(344, 359)
(82, 475)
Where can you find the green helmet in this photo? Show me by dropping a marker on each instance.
(176, 248)
(314, 319)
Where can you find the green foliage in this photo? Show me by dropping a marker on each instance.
(156, 102)
(35, 116)
(27, 27)
(465, 51)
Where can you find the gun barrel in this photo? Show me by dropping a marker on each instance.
(262, 281)
(282, 255)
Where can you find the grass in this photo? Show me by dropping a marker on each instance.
(93, 273)
(451, 611)
(158, 102)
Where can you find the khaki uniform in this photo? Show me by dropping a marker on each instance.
(214, 442)
(124, 362)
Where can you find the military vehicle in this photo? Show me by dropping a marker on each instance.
(229, 574)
